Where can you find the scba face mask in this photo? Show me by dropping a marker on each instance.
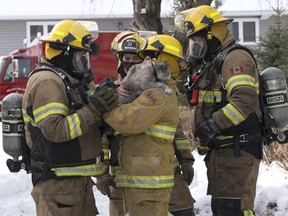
(197, 48)
(80, 62)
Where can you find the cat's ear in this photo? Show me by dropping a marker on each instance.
(147, 59)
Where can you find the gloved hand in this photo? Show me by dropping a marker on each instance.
(103, 99)
(103, 183)
(206, 131)
(187, 170)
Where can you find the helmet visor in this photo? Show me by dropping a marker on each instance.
(81, 61)
(197, 47)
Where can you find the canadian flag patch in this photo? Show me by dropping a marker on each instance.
(237, 70)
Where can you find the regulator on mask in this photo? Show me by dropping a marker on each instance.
(14, 143)
(275, 99)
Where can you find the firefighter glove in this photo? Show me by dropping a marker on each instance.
(103, 183)
(206, 131)
(103, 100)
(187, 170)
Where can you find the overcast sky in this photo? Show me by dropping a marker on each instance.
(108, 8)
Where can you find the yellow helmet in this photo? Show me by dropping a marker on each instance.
(70, 33)
(165, 48)
(130, 44)
(204, 17)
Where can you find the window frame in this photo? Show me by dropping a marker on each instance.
(45, 25)
(241, 31)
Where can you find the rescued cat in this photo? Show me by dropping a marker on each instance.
(144, 76)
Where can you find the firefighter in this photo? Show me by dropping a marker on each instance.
(147, 126)
(181, 202)
(62, 122)
(227, 113)
(167, 48)
(127, 56)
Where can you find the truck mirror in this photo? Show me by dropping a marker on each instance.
(15, 66)
(95, 49)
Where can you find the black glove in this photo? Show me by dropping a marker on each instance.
(187, 170)
(108, 82)
(206, 131)
(103, 99)
(103, 182)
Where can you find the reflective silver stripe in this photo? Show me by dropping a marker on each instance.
(145, 181)
(50, 109)
(238, 80)
(161, 131)
(27, 118)
(85, 170)
(183, 144)
(233, 114)
(74, 125)
(210, 96)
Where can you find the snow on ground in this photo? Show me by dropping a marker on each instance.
(272, 191)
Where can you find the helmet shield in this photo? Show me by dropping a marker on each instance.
(80, 61)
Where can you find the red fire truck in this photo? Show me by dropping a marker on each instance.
(15, 67)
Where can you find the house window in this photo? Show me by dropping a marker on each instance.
(34, 27)
(246, 31)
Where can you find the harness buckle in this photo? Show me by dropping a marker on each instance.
(243, 138)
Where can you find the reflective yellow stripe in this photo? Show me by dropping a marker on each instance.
(84, 170)
(203, 148)
(169, 47)
(50, 109)
(145, 181)
(27, 118)
(249, 213)
(233, 114)
(115, 133)
(114, 170)
(238, 80)
(183, 144)
(223, 137)
(161, 131)
(210, 96)
(175, 162)
(106, 154)
(74, 125)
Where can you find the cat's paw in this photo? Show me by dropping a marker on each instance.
(168, 90)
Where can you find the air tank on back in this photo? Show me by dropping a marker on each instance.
(13, 133)
(275, 97)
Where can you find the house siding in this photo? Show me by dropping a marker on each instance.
(11, 36)
(13, 32)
